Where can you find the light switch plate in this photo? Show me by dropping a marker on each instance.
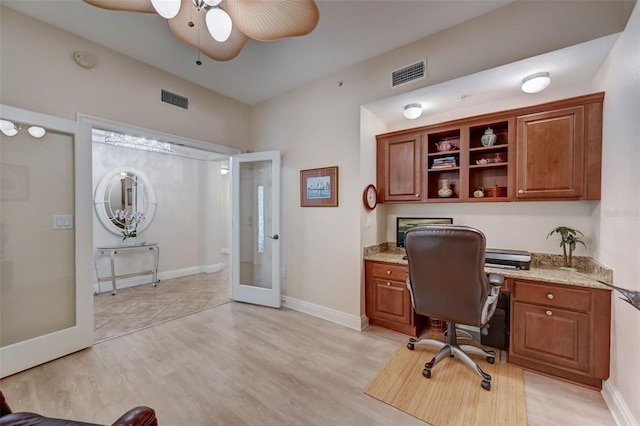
(62, 221)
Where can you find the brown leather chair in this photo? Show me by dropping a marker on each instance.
(138, 416)
(447, 281)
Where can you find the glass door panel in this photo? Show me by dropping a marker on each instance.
(37, 253)
(255, 245)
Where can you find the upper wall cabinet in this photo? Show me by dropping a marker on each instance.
(399, 168)
(544, 152)
(559, 153)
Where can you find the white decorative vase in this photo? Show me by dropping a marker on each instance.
(445, 191)
(489, 138)
(130, 241)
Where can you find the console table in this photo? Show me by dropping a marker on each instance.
(112, 251)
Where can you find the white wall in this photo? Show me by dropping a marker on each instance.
(38, 73)
(188, 220)
(319, 125)
(617, 220)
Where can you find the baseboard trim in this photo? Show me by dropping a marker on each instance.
(347, 320)
(618, 408)
(105, 286)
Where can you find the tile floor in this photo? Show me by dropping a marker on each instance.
(141, 306)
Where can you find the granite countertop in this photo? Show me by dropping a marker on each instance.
(542, 269)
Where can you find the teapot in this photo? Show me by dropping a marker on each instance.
(445, 145)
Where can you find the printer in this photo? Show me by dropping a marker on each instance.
(507, 259)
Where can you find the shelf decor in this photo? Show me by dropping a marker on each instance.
(319, 187)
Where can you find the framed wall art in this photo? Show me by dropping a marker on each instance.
(319, 187)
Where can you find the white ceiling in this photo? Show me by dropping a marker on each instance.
(572, 66)
(349, 32)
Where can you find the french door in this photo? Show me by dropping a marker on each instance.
(46, 304)
(255, 227)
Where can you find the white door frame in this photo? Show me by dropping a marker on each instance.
(249, 293)
(38, 350)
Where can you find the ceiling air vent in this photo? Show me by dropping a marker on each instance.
(174, 99)
(409, 73)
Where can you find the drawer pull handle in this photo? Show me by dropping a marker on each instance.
(550, 296)
(388, 272)
(549, 313)
(388, 283)
(520, 191)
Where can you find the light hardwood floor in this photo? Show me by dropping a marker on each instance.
(239, 364)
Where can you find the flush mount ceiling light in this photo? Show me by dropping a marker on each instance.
(230, 23)
(535, 83)
(412, 111)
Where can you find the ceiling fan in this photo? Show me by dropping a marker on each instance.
(229, 23)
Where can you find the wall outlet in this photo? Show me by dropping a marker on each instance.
(62, 221)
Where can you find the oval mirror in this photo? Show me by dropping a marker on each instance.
(124, 189)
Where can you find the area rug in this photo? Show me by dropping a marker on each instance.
(453, 395)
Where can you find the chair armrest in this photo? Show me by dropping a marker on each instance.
(496, 279)
(138, 416)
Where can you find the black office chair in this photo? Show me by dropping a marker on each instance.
(447, 281)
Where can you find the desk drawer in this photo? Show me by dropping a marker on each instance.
(389, 272)
(553, 295)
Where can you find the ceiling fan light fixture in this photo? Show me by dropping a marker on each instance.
(166, 8)
(412, 111)
(535, 83)
(219, 24)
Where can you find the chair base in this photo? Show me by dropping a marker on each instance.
(451, 348)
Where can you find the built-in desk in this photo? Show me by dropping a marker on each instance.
(559, 320)
(112, 251)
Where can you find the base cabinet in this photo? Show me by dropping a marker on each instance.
(561, 330)
(388, 301)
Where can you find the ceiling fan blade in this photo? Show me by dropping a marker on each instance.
(125, 5)
(207, 45)
(269, 20)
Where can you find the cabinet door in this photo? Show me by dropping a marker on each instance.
(391, 301)
(550, 150)
(399, 168)
(554, 336)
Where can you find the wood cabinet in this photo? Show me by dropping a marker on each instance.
(399, 168)
(561, 330)
(387, 298)
(551, 154)
(544, 152)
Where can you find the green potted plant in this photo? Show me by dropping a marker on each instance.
(569, 237)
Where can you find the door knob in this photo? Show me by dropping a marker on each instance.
(275, 237)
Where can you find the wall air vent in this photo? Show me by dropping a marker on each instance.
(174, 99)
(409, 73)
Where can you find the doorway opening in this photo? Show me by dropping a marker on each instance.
(179, 192)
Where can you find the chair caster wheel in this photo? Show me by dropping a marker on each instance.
(428, 365)
(410, 346)
(491, 359)
(426, 373)
(486, 385)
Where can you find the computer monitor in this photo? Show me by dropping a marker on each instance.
(403, 224)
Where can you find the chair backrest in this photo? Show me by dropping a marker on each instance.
(446, 272)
